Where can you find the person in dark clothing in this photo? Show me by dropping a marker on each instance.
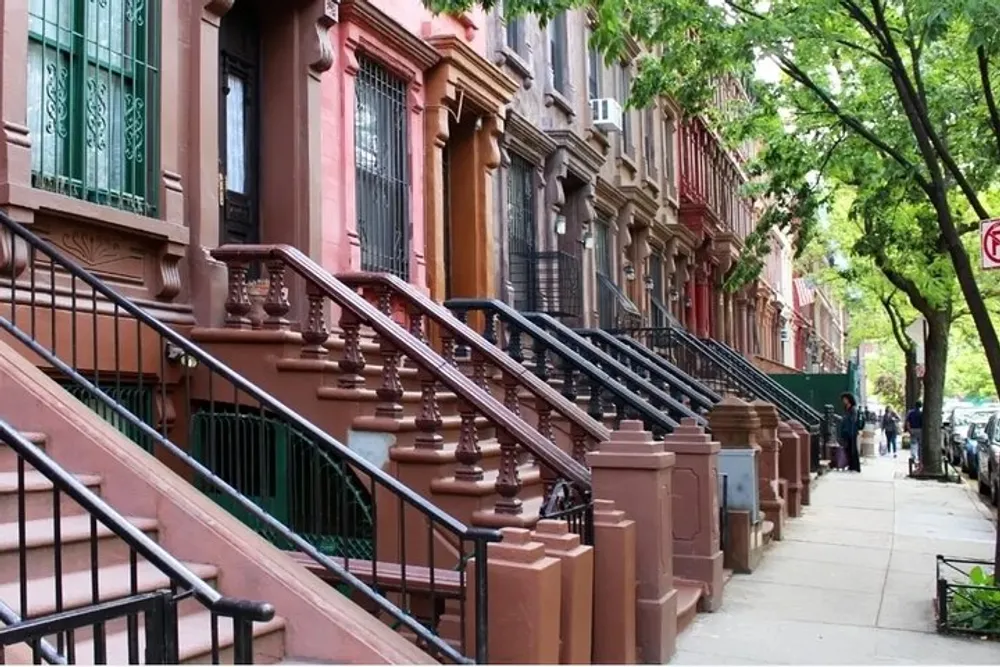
(849, 427)
(915, 427)
(890, 426)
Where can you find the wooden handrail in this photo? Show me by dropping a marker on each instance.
(467, 335)
(423, 355)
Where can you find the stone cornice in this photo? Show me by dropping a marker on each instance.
(395, 36)
(646, 205)
(585, 161)
(482, 81)
(609, 198)
(524, 138)
(685, 237)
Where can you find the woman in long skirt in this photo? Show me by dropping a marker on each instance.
(849, 431)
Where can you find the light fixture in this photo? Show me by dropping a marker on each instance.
(588, 240)
(176, 355)
(674, 295)
(649, 283)
(784, 334)
(687, 302)
(560, 224)
(629, 272)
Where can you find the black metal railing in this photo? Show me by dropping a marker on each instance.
(551, 359)
(658, 398)
(41, 569)
(657, 370)
(723, 511)
(615, 310)
(968, 597)
(104, 339)
(549, 282)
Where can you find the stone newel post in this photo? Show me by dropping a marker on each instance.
(771, 502)
(790, 468)
(804, 458)
(634, 471)
(697, 556)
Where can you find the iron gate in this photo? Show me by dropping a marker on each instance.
(522, 232)
(382, 187)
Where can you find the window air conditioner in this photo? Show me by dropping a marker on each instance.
(606, 114)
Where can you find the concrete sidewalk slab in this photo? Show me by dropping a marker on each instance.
(853, 581)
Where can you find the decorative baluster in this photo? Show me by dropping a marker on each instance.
(416, 322)
(580, 444)
(508, 483)
(549, 480)
(468, 453)
(352, 362)
(391, 390)
(479, 371)
(544, 411)
(276, 304)
(569, 380)
(514, 348)
(541, 354)
(462, 351)
(490, 327)
(619, 412)
(429, 419)
(448, 347)
(238, 304)
(315, 334)
(595, 407)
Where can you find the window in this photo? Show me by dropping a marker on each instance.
(626, 90)
(382, 188)
(557, 52)
(93, 100)
(649, 136)
(668, 155)
(594, 70)
(515, 34)
(521, 231)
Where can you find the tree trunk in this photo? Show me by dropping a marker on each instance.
(911, 383)
(936, 361)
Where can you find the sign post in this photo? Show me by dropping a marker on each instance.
(989, 243)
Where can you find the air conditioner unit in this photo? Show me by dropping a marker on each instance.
(606, 114)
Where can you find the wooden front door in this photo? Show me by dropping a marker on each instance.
(239, 125)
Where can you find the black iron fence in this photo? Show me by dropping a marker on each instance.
(225, 433)
(38, 571)
(968, 597)
(548, 282)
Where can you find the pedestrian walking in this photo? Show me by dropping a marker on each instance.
(914, 425)
(890, 426)
(849, 428)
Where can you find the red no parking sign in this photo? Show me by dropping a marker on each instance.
(989, 243)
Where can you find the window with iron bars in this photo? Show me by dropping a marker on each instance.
(93, 100)
(557, 52)
(602, 265)
(381, 153)
(521, 230)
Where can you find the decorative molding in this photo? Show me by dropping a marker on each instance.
(556, 169)
(609, 198)
(585, 161)
(317, 49)
(485, 87)
(92, 250)
(524, 138)
(168, 277)
(392, 35)
(13, 255)
(218, 8)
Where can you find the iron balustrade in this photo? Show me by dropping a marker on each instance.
(505, 326)
(655, 369)
(64, 620)
(395, 343)
(547, 282)
(665, 364)
(659, 399)
(614, 308)
(108, 341)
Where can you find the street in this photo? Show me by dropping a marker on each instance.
(853, 581)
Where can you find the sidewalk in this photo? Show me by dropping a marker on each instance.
(853, 580)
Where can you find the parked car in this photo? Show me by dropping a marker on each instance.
(988, 455)
(956, 428)
(970, 458)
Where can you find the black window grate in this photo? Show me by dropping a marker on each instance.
(521, 231)
(382, 187)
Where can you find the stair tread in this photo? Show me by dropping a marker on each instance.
(687, 596)
(38, 532)
(114, 582)
(193, 631)
(36, 481)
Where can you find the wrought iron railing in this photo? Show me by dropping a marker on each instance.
(658, 398)
(159, 610)
(655, 369)
(550, 282)
(968, 597)
(105, 340)
(550, 359)
(615, 310)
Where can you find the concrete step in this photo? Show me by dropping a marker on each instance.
(688, 596)
(38, 496)
(75, 533)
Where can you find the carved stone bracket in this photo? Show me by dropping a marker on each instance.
(13, 255)
(626, 217)
(556, 168)
(317, 51)
(168, 275)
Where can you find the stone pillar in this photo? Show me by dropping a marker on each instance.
(634, 471)
(805, 453)
(524, 601)
(697, 556)
(703, 296)
(728, 310)
(735, 425)
(614, 586)
(690, 304)
(577, 606)
(768, 469)
(790, 468)
(740, 322)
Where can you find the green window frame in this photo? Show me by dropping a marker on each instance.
(93, 100)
